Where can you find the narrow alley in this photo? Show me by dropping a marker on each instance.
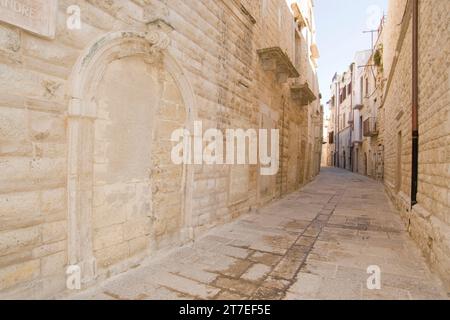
(316, 243)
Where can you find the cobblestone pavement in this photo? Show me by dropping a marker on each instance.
(316, 243)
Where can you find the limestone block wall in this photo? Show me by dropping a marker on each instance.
(429, 220)
(85, 125)
(370, 158)
(392, 29)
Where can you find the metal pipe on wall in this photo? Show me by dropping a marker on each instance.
(415, 102)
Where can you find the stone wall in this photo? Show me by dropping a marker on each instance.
(370, 155)
(85, 125)
(429, 220)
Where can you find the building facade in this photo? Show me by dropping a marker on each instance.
(341, 105)
(354, 104)
(401, 114)
(369, 114)
(417, 104)
(86, 118)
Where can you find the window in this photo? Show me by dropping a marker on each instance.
(349, 89)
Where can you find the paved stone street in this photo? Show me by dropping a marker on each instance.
(314, 244)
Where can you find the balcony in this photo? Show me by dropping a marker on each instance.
(274, 59)
(302, 93)
(370, 128)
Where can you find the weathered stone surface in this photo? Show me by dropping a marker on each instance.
(111, 255)
(15, 240)
(54, 264)
(19, 210)
(15, 274)
(54, 231)
(335, 268)
(187, 286)
(38, 16)
(9, 39)
(107, 237)
(256, 272)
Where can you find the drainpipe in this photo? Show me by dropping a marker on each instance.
(415, 102)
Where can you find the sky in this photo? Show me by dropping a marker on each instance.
(339, 34)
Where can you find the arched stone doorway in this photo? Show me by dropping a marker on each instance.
(125, 196)
(344, 160)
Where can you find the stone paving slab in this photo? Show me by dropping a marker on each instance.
(316, 243)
